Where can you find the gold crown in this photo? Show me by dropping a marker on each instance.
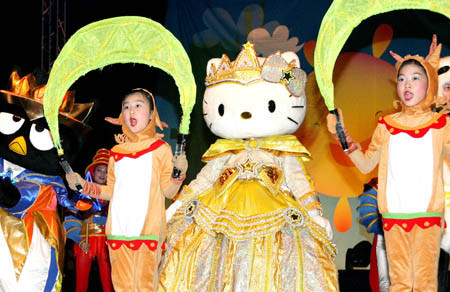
(244, 69)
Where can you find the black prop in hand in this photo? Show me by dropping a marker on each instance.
(340, 130)
(179, 149)
(9, 194)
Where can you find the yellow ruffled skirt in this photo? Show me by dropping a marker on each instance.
(246, 237)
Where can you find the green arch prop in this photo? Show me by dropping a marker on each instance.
(128, 39)
(338, 23)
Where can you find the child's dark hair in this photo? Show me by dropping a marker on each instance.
(144, 93)
(411, 62)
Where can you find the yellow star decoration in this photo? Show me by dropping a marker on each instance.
(248, 46)
(249, 167)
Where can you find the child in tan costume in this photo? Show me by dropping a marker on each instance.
(139, 180)
(409, 148)
(444, 91)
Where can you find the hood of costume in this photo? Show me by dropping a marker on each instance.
(148, 134)
(431, 66)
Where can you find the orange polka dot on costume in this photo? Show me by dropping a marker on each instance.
(416, 132)
(115, 156)
(391, 130)
(113, 244)
(131, 244)
(152, 244)
(385, 225)
(426, 224)
(404, 225)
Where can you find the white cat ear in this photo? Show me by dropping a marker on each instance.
(289, 56)
(216, 62)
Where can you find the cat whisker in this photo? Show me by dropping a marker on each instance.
(290, 119)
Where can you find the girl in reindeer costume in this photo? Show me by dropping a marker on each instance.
(409, 147)
(139, 180)
(251, 220)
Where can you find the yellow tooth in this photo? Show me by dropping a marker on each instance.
(18, 145)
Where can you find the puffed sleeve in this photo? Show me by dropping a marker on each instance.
(300, 184)
(205, 179)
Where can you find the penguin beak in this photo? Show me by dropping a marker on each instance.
(18, 145)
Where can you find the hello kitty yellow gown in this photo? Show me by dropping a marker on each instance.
(245, 223)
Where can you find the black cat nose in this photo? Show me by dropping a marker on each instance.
(246, 115)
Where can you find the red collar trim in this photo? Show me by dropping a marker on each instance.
(408, 224)
(118, 156)
(439, 123)
(135, 244)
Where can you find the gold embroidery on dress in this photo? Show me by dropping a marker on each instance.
(300, 259)
(272, 178)
(272, 173)
(225, 175)
(225, 180)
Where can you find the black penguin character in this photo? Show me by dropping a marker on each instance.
(31, 235)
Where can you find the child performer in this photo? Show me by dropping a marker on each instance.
(139, 180)
(409, 147)
(87, 230)
(444, 91)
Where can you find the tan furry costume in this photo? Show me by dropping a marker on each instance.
(139, 172)
(409, 148)
(444, 79)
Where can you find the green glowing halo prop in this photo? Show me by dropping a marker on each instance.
(129, 39)
(338, 23)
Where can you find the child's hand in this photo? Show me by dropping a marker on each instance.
(85, 247)
(181, 163)
(73, 179)
(331, 125)
(332, 121)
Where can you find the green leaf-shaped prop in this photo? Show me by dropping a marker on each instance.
(129, 39)
(338, 23)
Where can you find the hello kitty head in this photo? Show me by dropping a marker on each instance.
(244, 99)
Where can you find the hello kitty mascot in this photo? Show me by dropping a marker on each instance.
(251, 220)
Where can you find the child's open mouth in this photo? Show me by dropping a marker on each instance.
(408, 95)
(133, 122)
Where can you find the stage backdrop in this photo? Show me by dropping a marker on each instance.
(363, 76)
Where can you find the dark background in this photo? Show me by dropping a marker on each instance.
(20, 26)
